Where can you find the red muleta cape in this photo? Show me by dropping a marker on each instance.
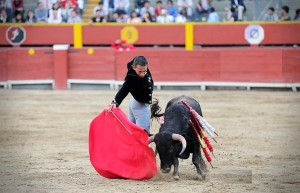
(119, 149)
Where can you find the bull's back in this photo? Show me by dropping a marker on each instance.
(191, 101)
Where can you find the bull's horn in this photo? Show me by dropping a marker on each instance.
(180, 138)
(151, 139)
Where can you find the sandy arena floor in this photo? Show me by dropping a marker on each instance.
(44, 143)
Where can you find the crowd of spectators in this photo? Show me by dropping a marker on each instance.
(175, 11)
(46, 11)
(144, 11)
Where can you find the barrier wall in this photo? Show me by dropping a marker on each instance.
(259, 65)
(82, 62)
(154, 34)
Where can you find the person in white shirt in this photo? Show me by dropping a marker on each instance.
(180, 18)
(120, 5)
(74, 18)
(56, 7)
(66, 11)
(186, 5)
(213, 16)
(55, 17)
(103, 11)
(148, 8)
(164, 17)
(80, 4)
(270, 15)
(48, 4)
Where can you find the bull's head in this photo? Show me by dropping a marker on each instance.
(169, 146)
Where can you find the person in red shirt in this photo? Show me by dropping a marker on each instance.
(159, 6)
(18, 7)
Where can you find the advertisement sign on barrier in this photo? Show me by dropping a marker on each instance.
(254, 34)
(15, 35)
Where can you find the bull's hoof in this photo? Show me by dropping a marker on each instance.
(176, 177)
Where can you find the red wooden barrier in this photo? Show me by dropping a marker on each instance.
(157, 34)
(18, 64)
(42, 34)
(233, 34)
(92, 64)
(265, 65)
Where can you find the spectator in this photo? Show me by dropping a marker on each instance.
(55, 7)
(3, 17)
(7, 6)
(55, 18)
(41, 13)
(239, 7)
(114, 17)
(121, 5)
(74, 18)
(297, 14)
(80, 4)
(284, 13)
(98, 18)
(171, 8)
(213, 16)
(181, 18)
(138, 5)
(147, 18)
(72, 3)
(100, 7)
(148, 8)
(203, 7)
(159, 6)
(30, 18)
(164, 17)
(103, 11)
(232, 14)
(18, 7)
(66, 11)
(122, 17)
(134, 18)
(270, 15)
(187, 6)
(110, 4)
(106, 5)
(48, 4)
(19, 18)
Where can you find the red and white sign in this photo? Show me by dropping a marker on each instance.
(15, 35)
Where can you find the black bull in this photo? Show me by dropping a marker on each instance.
(176, 138)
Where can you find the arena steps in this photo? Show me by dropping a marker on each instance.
(88, 11)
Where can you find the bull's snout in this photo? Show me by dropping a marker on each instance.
(165, 170)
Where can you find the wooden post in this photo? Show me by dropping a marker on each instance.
(60, 52)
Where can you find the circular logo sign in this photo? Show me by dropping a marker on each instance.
(254, 34)
(130, 34)
(15, 35)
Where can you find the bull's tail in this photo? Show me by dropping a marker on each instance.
(155, 110)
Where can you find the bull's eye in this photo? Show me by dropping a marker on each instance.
(171, 149)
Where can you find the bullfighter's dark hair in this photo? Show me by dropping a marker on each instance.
(140, 60)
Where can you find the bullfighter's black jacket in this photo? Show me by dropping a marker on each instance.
(140, 88)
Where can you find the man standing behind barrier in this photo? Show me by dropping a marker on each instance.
(139, 83)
